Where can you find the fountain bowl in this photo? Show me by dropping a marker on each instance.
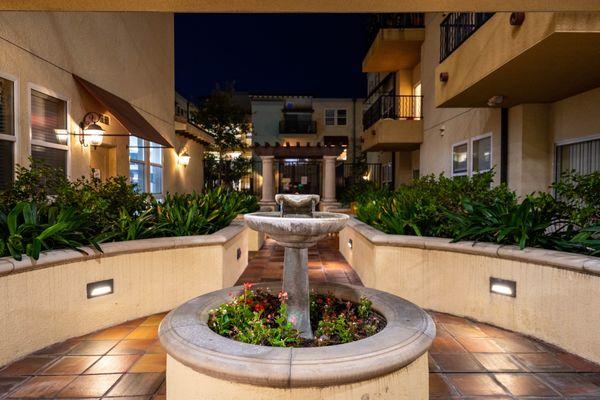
(296, 230)
(390, 365)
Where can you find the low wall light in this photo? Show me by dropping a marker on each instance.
(183, 159)
(503, 287)
(350, 243)
(100, 288)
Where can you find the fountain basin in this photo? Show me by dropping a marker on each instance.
(391, 364)
(296, 231)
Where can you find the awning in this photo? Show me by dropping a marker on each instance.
(127, 115)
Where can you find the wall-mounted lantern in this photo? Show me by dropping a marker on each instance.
(62, 135)
(91, 132)
(183, 159)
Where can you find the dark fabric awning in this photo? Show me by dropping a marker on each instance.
(127, 115)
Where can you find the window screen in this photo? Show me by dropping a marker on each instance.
(482, 154)
(582, 157)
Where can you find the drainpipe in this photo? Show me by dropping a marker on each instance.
(353, 131)
(504, 145)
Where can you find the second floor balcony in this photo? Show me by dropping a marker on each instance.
(506, 59)
(297, 127)
(393, 122)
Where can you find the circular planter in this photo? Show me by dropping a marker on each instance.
(391, 364)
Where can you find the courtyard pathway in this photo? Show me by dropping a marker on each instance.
(468, 360)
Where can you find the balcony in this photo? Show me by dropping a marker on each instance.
(517, 58)
(395, 42)
(297, 127)
(393, 122)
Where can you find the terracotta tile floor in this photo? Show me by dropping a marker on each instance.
(468, 360)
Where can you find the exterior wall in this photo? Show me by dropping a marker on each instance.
(556, 291)
(266, 115)
(128, 54)
(443, 127)
(409, 383)
(45, 302)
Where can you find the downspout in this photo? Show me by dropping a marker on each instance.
(353, 131)
(504, 145)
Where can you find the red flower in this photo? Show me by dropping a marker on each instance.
(248, 286)
(259, 307)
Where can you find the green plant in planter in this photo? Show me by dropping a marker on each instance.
(29, 230)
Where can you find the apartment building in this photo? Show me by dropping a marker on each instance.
(94, 92)
(511, 91)
(303, 139)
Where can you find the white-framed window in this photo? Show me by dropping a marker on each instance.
(8, 131)
(460, 158)
(336, 116)
(146, 165)
(481, 153)
(48, 111)
(581, 155)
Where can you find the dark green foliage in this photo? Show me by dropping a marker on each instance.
(44, 211)
(470, 209)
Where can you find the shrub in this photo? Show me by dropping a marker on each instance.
(43, 210)
(470, 209)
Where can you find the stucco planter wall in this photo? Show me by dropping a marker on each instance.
(558, 294)
(45, 301)
(392, 364)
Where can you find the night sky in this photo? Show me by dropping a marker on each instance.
(310, 54)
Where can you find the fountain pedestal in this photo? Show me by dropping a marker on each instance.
(295, 283)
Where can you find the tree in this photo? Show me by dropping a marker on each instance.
(228, 123)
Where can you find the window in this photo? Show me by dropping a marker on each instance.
(145, 165)
(7, 132)
(336, 116)
(481, 154)
(459, 159)
(47, 114)
(583, 157)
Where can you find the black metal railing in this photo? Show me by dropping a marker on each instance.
(394, 107)
(392, 21)
(297, 126)
(458, 27)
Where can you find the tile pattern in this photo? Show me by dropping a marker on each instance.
(467, 360)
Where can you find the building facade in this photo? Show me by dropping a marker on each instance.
(303, 140)
(509, 91)
(93, 92)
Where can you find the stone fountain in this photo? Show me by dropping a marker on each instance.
(390, 365)
(296, 227)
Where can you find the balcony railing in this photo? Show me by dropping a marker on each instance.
(392, 21)
(458, 27)
(297, 127)
(395, 107)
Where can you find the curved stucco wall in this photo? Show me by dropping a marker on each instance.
(558, 294)
(408, 383)
(45, 302)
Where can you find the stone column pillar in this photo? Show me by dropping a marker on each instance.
(267, 203)
(328, 200)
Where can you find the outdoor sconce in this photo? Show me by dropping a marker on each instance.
(100, 288)
(495, 101)
(184, 159)
(517, 18)
(62, 135)
(503, 287)
(91, 132)
(350, 243)
(444, 77)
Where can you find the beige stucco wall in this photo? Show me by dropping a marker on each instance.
(49, 304)
(128, 54)
(409, 383)
(557, 305)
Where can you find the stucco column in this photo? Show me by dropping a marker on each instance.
(328, 199)
(268, 190)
